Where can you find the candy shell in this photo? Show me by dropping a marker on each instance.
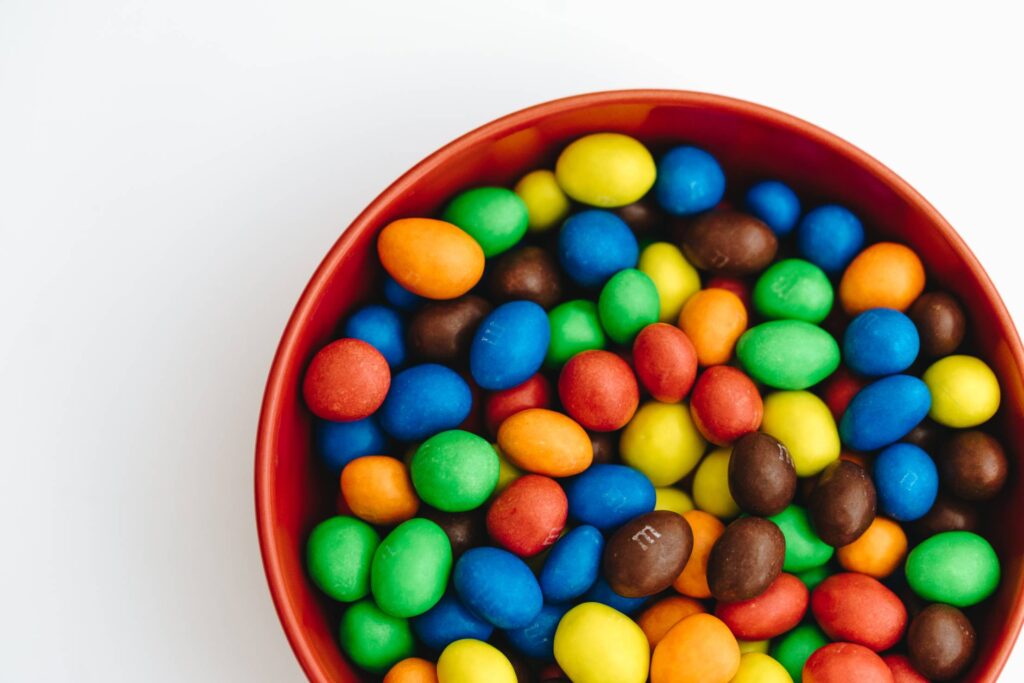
(473, 661)
(689, 181)
(964, 390)
(605, 169)
(431, 258)
(346, 380)
(662, 441)
(495, 217)
(595, 643)
(546, 203)
(673, 276)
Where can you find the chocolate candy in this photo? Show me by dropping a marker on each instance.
(442, 331)
(947, 514)
(603, 444)
(762, 478)
(529, 273)
(941, 641)
(940, 322)
(746, 559)
(642, 217)
(647, 553)
(973, 466)
(926, 435)
(842, 504)
(465, 530)
(729, 243)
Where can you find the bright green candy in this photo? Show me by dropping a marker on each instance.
(575, 327)
(788, 354)
(494, 216)
(815, 575)
(955, 567)
(411, 568)
(338, 557)
(804, 550)
(794, 289)
(374, 640)
(455, 471)
(628, 303)
(794, 649)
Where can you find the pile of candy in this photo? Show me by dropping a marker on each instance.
(637, 434)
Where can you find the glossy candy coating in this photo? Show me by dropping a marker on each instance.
(829, 237)
(424, 400)
(377, 488)
(658, 619)
(380, 327)
(673, 276)
(878, 552)
(605, 169)
(885, 275)
(607, 496)
(339, 443)
(793, 289)
(725, 405)
(495, 217)
(509, 346)
(941, 641)
(880, 341)
(646, 554)
(842, 504)
(627, 304)
(403, 593)
(859, 609)
(536, 640)
(803, 423)
(662, 442)
(713, 319)
(794, 648)
(884, 412)
(711, 485)
(902, 670)
(665, 361)
(973, 465)
(546, 203)
(575, 327)
(788, 354)
(346, 380)
(373, 639)
(706, 530)
(595, 643)
(958, 568)
(599, 390)
(430, 258)
(671, 498)
(545, 442)
(699, 649)
(535, 392)
(804, 550)
(528, 516)
(573, 564)
(729, 243)
(529, 274)
(907, 481)
(497, 586)
(746, 559)
(776, 204)
(844, 662)
(768, 615)
(762, 479)
(464, 530)
(447, 621)
(965, 391)
(602, 593)
(689, 181)
(757, 667)
(441, 331)
(594, 245)
(473, 661)
(412, 670)
(455, 471)
(339, 554)
(941, 323)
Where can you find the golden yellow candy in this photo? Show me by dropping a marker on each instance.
(474, 661)
(662, 442)
(965, 391)
(597, 644)
(753, 646)
(545, 202)
(804, 425)
(606, 170)
(507, 472)
(757, 667)
(673, 276)
(711, 485)
(674, 500)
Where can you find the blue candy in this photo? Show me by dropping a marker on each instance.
(906, 480)
(537, 639)
(448, 621)
(424, 400)
(689, 181)
(339, 443)
(829, 237)
(880, 341)
(601, 592)
(884, 412)
(381, 328)
(608, 496)
(572, 565)
(509, 346)
(400, 297)
(775, 204)
(498, 586)
(594, 245)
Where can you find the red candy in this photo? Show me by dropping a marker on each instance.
(839, 390)
(598, 390)
(725, 405)
(859, 609)
(529, 515)
(347, 380)
(902, 670)
(777, 610)
(665, 361)
(533, 393)
(845, 662)
(735, 285)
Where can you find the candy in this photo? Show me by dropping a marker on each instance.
(530, 274)
(594, 245)
(546, 204)
(813, 577)
(605, 169)
(902, 670)
(947, 514)
(941, 641)
(572, 566)
(575, 327)
(756, 667)
(398, 296)
(713, 319)
(412, 670)
(689, 181)
(454, 471)
(907, 481)
(500, 405)
(627, 304)
(829, 237)
(753, 646)
(497, 586)
(424, 400)
(842, 503)
(803, 423)
(339, 554)
(662, 441)
(804, 550)
(788, 354)
(880, 341)
(725, 405)
(965, 391)
(377, 489)
(646, 554)
(729, 243)
(839, 389)
(642, 216)
(878, 552)
(373, 639)
(346, 380)
(793, 289)
(844, 662)
(595, 643)
(537, 638)
(417, 543)
(673, 276)
(973, 466)
(545, 442)
(706, 530)
(940, 322)
(762, 479)
(464, 530)
(381, 328)
(711, 485)
(509, 345)
(602, 593)
(448, 621)
(958, 568)
(339, 443)
(473, 661)
(607, 496)
(431, 258)
(699, 649)
(669, 498)
(794, 648)
(599, 390)
(658, 619)
(884, 412)
(885, 275)
(442, 331)
(528, 516)
(665, 361)
(774, 203)
(494, 216)
(859, 609)
(746, 559)
(768, 615)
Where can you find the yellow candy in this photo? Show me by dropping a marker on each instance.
(605, 170)
(711, 485)
(545, 202)
(474, 661)
(965, 391)
(597, 644)
(507, 472)
(804, 425)
(753, 646)
(662, 442)
(673, 500)
(673, 276)
(757, 667)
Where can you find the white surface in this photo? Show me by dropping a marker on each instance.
(172, 172)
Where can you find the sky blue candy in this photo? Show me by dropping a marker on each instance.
(880, 341)
(537, 639)
(884, 412)
(400, 297)
(689, 181)
(448, 621)
(339, 443)
(775, 204)
(573, 564)
(498, 586)
(424, 400)
(601, 592)
(607, 496)
(594, 245)
(906, 481)
(380, 327)
(509, 346)
(829, 237)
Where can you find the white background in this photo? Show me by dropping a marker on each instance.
(172, 172)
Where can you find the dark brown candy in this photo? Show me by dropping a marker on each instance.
(947, 514)
(465, 530)
(604, 446)
(529, 273)
(647, 553)
(729, 243)
(643, 217)
(762, 479)
(940, 322)
(941, 641)
(925, 435)
(973, 466)
(746, 559)
(442, 331)
(842, 504)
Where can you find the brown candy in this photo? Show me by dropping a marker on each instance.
(842, 504)
(925, 435)
(442, 331)
(604, 446)
(947, 514)
(529, 273)
(465, 530)
(746, 559)
(762, 479)
(940, 322)
(973, 466)
(642, 217)
(941, 641)
(647, 553)
(729, 243)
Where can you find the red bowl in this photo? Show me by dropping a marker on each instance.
(751, 141)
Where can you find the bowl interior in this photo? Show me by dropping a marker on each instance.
(751, 142)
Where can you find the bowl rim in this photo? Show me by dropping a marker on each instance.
(286, 354)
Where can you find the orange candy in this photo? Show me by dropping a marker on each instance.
(412, 670)
(659, 618)
(878, 552)
(377, 489)
(699, 649)
(431, 258)
(693, 581)
(885, 275)
(713, 319)
(545, 442)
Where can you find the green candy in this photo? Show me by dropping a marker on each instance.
(794, 289)
(494, 216)
(455, 471)
(788, 354)
(814, 576)
(375, 641)
(793, 649)
(575, 327)
(411, 568)
(339, 553)
(628, 303)
(804, 550)
(958, 568)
